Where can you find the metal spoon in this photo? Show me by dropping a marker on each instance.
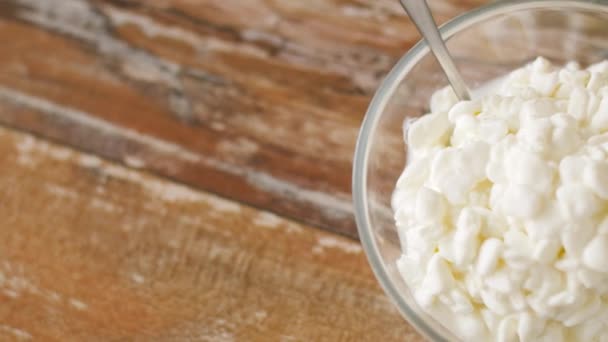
(420, 14)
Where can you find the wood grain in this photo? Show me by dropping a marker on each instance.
(258, 101)
(93, 251)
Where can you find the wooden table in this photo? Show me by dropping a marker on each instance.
(179, 170)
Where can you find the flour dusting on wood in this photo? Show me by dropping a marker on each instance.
(267, 220)
(78, 304)
(328, 242)
(17, 333)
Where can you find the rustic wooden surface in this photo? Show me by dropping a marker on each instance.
(259, 101)
(94, 251)
(166, 165)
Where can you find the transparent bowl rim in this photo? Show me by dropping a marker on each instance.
(377, 106)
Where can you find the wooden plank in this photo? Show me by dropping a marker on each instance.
(93, 251)
(259, 101)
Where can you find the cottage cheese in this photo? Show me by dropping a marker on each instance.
(502, 207)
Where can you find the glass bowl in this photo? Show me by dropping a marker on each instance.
(486, 43)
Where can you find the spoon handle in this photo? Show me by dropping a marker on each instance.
(420, 14)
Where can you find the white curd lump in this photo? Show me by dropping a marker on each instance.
(502, 209)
